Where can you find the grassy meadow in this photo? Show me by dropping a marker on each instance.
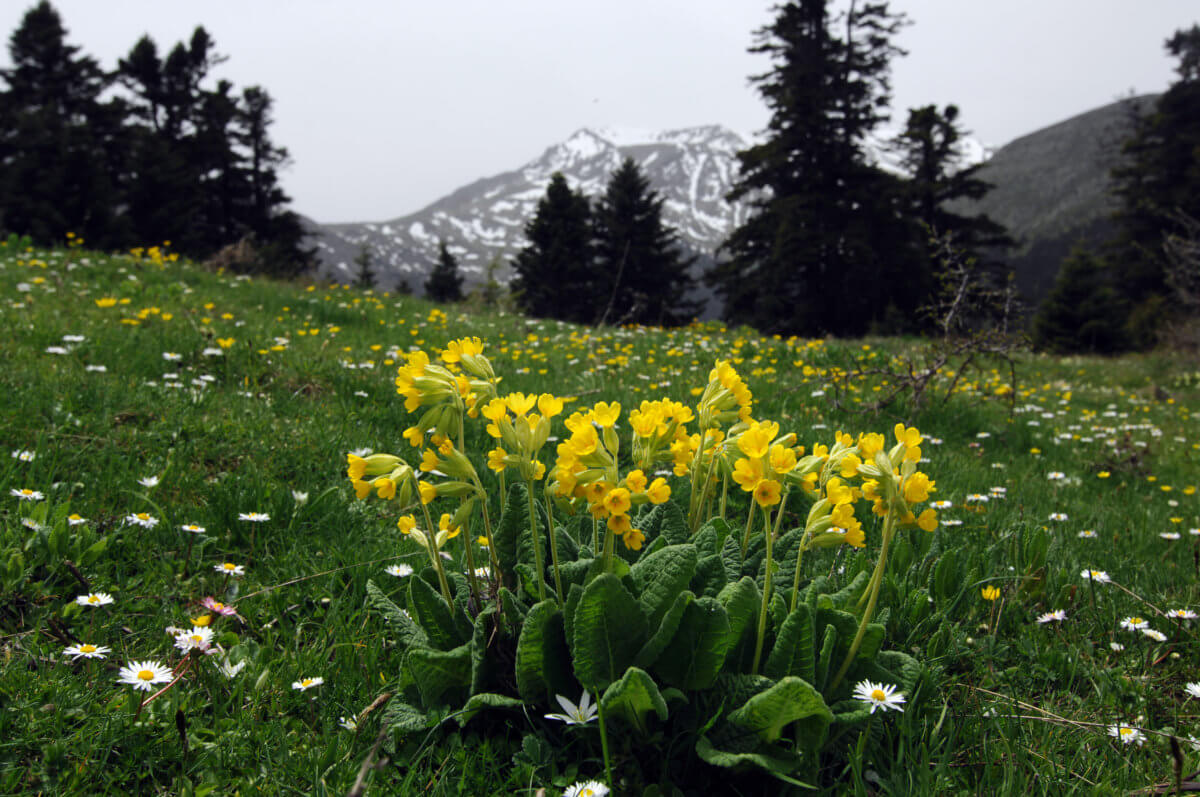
(140, 395)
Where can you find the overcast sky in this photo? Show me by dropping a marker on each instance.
(389, 105)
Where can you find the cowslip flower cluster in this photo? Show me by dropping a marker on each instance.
(586, 471)
(521, 432)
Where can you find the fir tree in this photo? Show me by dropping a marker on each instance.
(365, 277)
(1082, 311)
(445, 281)
(1157, 185)
(640, 270)
(827, 245)
(554, 273)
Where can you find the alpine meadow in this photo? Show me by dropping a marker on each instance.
(825, 505)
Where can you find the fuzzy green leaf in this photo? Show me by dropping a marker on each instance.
(659, 640)
(409, 632)
(791, 700)
(434, 615)
(440, 674)
(779, 764)
(793, 652)
(542, 655)
(514, 523)
(484, 700)
(633, 697)
(660, 577)
(609, 629)
(695, 654)
(664, 520)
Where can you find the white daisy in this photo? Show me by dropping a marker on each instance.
(86, 650)
(1157, 636)
(143, 675)
(199, 638)
(193, 528)
(171, 356)
(349, 723)
(1182, 614)
(305, 684)
(1087, 534)
(230, 670)
(1126, 734)
(94, 599)
(149, 481)
(230, 569)
(1098, 576)
(580, 714)
(299, 497)
(1116, 647)
(1058, 516)
(590, 788)
(143, 519)
(399, 571)
(76, 520)
(25, 494)
(254, 517)
(24, 456)
(879, 695)
(1134, 623)
(1192, 689)
(1052, 617)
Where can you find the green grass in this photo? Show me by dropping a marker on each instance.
(1017, 706)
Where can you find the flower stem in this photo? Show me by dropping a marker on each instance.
(749, 526)
(766, 597)
(889, 526)
(604, 738)
(554, 552)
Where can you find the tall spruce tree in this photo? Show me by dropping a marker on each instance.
(827, 246)
(642, 275)
(60, 144)
(1158, 185)
(445, 282)
(555, 276)
(1082, 311)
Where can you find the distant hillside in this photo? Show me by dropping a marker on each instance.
(1052, 189)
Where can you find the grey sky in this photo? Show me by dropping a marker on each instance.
(388, 106)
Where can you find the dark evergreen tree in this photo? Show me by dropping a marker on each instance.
(642, 276)
(445, 281)
(555, 275)
(60, 144)
(1082, 311)
(828, 245)
(1157, 185)
(365, 277)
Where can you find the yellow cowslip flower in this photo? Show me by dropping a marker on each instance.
(520, 403)
(446, 527)
(766, 493)
(414, 436)
(456, 349)
(549, 406)
(928, 521)
(917, 488)
(361, 488)
(849, 466)
(606, 414)
(748, 473)
(856, 537)
(406, 523)
(585, 441)
(633, 539)
(484, 541)
(429, 460)
(837, 492)
(755, 441)
(616, 501)
(659, 491)
(385, 487)
(782, 458)
(909, 435)
(428, 492)
(635, 481)
(870, 444)
(224, 343)
(374, 465)
(990, 593)
(595, 492)
(203, 620)
(107, 301)
(496, 459)
(446, 447)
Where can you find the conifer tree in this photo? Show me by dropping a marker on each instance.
(641, 273)
(827, 246)
(60, 145)
(445, 281)
(1157, 185)
(1082, 311)
(554, 273)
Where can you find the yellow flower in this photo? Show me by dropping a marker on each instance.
(386, 487)
(766, 492)
(1103, 474)
(755, 441)
(917, 488)
(520, 403)
(107, 301)
(496, 459)
(429, 460)
(224, 343)
(428, 492)
(361, 488)
(633, 539)
(928, 520)
(990, 593)
(606, 414)
(202, 620)
(617, 501)
(850, 465)
(414, 436)
(549, 406)
(635, 480)
(837, 492)
(748, 473)
(406, 523)
(908, 435)
(658, 492)
(870, 444)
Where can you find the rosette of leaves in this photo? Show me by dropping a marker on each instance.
(666, 640)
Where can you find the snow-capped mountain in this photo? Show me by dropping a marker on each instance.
(692, 169)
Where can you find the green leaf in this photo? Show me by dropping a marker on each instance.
(791, 700)
(664, 520)
(512, 608)
(400, 716)
(633, 697)
(542, 656)
(695, 654)
(742, 601)
(825, 659)
(409, 632)
(655, 545)
(659, 640)
(660, 577)
(514, 523)
(609, 629)
(94, 552)
(484, 700)
(710, 577)
(731, 558)
(780, 764)
(481, 668)
(793, 652)
(574, 593)
(434, 615)
(438, 672)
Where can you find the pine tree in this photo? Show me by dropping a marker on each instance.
(59, 143)
(555, 275)
(642, 275)
(1082, 311)
(445, 281)
(1157, 185)
(827, 245)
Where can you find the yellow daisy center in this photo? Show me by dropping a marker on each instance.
(1126, 731)
(143, 515)
(307, 682)
(878, 694)
(229, 566)
(146, 675)
(93, 599)
(218, 606)
(87, 648)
